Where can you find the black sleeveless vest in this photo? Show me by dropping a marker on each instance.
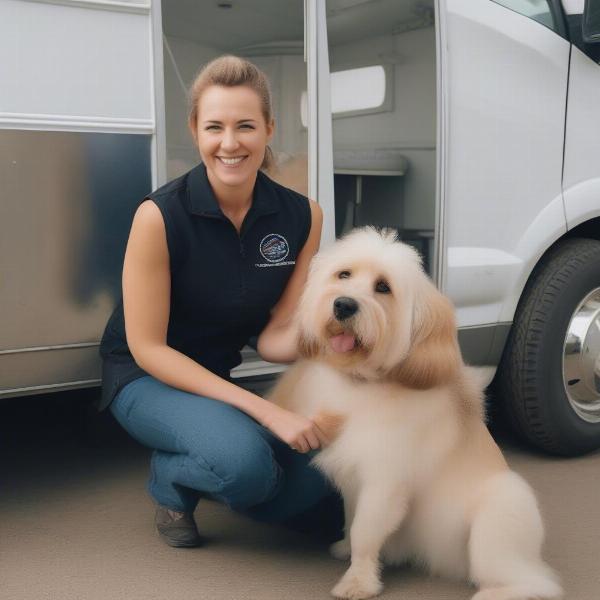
(223, 284)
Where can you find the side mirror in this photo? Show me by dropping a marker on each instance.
(590, 23)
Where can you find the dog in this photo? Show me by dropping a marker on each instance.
(421, 478)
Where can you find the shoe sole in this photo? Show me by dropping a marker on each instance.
(180, 543)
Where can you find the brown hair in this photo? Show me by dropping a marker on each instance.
(231, 71)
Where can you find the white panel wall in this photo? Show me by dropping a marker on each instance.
(67, 61)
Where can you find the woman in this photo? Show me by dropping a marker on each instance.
(213, 258)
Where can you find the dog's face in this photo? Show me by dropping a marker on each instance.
(368, 307)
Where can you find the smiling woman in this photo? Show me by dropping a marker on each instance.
(215, 257)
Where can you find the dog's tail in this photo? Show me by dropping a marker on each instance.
(505, 544)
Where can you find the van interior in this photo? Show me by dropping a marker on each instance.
(382, 57)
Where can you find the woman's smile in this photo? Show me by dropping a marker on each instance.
(233, 161)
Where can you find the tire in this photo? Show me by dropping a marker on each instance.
(545, 402)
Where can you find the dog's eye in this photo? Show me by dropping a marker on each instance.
(344, 274)
(382, 287)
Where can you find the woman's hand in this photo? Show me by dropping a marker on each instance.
(297, 431)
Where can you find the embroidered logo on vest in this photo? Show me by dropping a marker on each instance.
(274, 248)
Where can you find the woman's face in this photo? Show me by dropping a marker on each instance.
(231, 134)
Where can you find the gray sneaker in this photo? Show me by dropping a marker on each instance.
(178, 529)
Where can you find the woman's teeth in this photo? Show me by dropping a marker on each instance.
(231, 161)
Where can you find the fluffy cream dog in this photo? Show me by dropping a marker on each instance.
(421, 477)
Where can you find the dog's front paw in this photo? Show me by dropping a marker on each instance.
(357, 584)
(341, 549)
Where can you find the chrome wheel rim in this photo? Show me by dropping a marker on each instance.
(581, 358)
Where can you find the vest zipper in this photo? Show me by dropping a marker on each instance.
(242, 253)
(241, 264)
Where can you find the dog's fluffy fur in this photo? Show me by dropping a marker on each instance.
(421, 477)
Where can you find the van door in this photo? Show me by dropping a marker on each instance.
(506, 67)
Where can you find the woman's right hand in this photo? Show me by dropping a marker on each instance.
(297, 431)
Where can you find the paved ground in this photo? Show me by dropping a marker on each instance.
(76, 524)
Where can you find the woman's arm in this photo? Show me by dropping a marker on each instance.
(279, 339)
(146, 303)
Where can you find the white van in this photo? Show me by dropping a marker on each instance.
(470, 126)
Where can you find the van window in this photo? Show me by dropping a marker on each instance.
(574, 15)
(538, 10)
(357, 89)
(353, 91)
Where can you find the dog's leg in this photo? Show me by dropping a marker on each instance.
(341, 549)
(379, 512)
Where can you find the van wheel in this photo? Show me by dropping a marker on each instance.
(548, 381)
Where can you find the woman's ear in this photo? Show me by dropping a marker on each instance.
(270, 131)
(434, 355)
(193, 127)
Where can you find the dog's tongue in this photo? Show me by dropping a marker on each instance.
(342, 342)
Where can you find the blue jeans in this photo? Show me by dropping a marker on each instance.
(207, 448)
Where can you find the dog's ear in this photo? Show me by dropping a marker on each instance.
(434, 356)
(307, 347)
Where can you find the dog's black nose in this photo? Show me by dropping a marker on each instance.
(344, 307)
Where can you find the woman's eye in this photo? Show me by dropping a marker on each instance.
(344, 275)
(246, 126)
(382, 287)
(212, 127)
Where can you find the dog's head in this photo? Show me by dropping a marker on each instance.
(370, 311)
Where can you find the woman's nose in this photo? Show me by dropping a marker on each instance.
(229, 141)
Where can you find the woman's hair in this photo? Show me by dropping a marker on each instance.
(231, 71)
